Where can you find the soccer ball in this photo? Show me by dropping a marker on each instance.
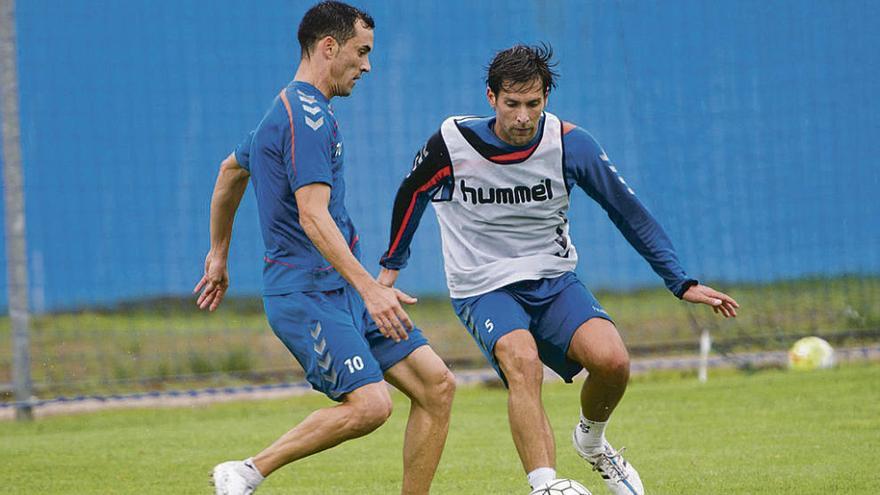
(562, 487)
(810, 353)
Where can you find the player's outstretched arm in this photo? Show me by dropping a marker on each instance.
(231, 183)
(720, 302)
(589, 166)
(383, 303)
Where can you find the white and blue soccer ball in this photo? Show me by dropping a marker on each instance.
(562, 487)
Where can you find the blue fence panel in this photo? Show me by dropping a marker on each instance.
(749, 128)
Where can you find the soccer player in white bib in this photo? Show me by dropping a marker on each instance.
(500, 187)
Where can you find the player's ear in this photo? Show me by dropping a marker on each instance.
(491, 97)
(328, 46)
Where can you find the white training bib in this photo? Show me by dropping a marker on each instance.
(505, 222)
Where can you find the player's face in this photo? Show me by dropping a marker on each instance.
(518, 111)
(352, 60)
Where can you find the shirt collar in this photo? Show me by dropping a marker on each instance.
(309, 90)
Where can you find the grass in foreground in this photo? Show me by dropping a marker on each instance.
(773, 432)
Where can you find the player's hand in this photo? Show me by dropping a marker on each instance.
(214, 282)
(387, 277)
(720, 302)
(383, 304)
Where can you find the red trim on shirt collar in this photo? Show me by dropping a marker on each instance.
(516, 155)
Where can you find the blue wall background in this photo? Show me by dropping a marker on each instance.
(749, 128)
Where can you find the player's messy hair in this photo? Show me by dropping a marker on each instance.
(520, 65)
(330, 18)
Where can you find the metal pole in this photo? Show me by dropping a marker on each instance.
(13, 195)
(705, 348)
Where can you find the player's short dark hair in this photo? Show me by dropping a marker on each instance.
(330, 18)
(519, 65)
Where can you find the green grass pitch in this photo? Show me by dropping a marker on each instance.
(770, 432)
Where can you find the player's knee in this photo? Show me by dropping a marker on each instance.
(435, 393)
(521, 365)
(613, 366)
(442, 391)
(370, 420)
(369, 410)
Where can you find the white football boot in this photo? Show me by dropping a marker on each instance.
(619, 476)
(228, 478)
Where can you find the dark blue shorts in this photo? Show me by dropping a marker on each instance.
(551, 309)
(334, 338)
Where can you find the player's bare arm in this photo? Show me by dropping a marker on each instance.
(231, 184)
(382, 302)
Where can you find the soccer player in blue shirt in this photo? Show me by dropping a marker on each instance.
(500, 186)
(348, 331)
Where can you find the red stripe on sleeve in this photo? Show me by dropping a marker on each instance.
(443, 173)
(567, 127)
(289, 119)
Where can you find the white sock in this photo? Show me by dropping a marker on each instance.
(541, 476)
(590, 435)
(251, 473)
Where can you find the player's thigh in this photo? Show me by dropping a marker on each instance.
(489, 318)
(319, 330)
(561, 321)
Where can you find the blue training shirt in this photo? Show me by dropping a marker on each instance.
(585, 165)
(297, 143)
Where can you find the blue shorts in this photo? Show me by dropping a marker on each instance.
(551, 309)
(334, 338)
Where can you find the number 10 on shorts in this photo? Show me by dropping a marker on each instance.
(354, 364)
